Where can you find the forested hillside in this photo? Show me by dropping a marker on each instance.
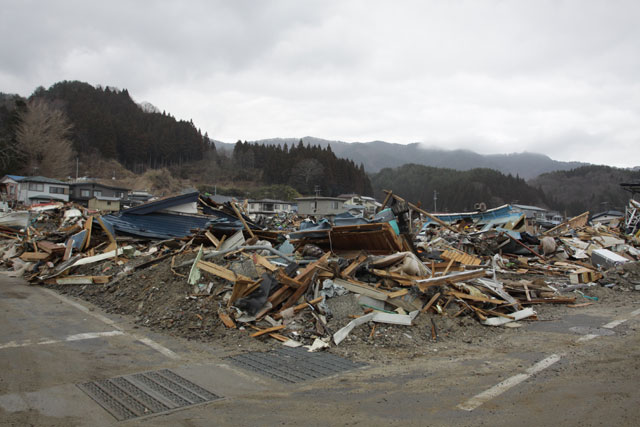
(107, 121)
(302, 167)
(102, 126)
(456, 190)
(592, 188)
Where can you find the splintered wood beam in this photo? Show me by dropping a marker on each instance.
(430, 303)
(299, 307)
(425, 213)
(221, 272)
(348, 271)
(462, 295)
(267, 331)
(227, 320)
(213, 239)
(241, 218)
(518, 242)
(286, 280)
(386, 199)
(262, 261)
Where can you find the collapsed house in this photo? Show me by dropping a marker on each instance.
(191, 266)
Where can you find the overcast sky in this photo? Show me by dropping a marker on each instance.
(560, 78)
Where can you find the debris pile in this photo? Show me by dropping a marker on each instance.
(191, 267)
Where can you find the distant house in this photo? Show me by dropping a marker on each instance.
(270, 207)
(607, 218)
(320, 206)
(138, 197)
(83, 192)
(531, 212)
(369, 204)
(104, 204)
(9, 187)
(40, 189)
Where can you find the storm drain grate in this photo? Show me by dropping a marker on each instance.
(293, 365)
(137, 395)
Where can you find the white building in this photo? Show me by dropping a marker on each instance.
(270, 207)
(40, 189)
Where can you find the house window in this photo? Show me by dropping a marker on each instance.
(56, 190)
(277, 207)
(108, 203)
(34, 186)
(12, 189)
(120, 195)
(85, 193)
(97, 193)
(334, 205)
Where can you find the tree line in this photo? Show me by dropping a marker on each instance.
(456, 191)
(306, 168)
(91, 121)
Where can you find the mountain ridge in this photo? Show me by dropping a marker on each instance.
(377, 155)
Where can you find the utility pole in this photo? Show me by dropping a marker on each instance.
(435, 198)
(76, 169)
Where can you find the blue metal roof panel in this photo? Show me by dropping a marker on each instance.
(156, 225)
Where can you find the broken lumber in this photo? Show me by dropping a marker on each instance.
(268, 330)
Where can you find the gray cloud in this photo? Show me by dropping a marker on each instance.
(493, 76)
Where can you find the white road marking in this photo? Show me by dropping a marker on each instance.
(615, 323)
(587, 337)
(147, 341)
(156, 346)
(505, 385)
(513, 381)
(76, 337)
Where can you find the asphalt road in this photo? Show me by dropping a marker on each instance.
(577, 370)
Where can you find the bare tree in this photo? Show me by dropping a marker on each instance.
(43, 140)
(306, 174)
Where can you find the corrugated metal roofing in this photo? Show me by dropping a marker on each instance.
(158, 205)
(156, 225)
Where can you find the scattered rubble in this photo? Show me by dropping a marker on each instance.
(400, 282)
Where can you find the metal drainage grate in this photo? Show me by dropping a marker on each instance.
(137, 395)
(293, 365)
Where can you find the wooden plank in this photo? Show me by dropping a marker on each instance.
(87, 237)
(461, 257)
(213, 239)
(300, 307)
(241, 218)
(362, 288)
(239, 289)
(262, 261)
(268, 330)
(575, 222)
(397, 294)
(221, 272)
(34, 256)
(51, 248)
(424, 284)
(347, 272)
(286, 280)
(227, 320)
(79, 280)
(430, 303)
(462, 295)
